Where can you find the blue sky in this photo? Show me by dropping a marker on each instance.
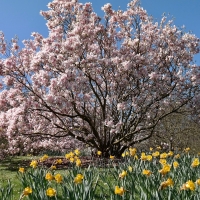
(21, 17)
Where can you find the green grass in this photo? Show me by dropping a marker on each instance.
(8, 171)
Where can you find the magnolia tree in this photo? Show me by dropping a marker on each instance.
(104, 82)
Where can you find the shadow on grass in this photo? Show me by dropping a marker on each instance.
(13, 163)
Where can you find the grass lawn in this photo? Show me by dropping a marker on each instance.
(8, 171)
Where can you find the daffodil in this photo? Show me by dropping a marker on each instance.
(59, 161)
(78, 179)
(119, 190)
(146, 172)
(58, 178)
(188, 185)
(123, 174)
(51, 192)
(76, 158)
(67, 156)
(198, 182)
(34, 163)
(168, 182)
(177, 156)
(71, 154)
(158, 147)
(27, 191)
(44, 157)
(149, 157)
(112, 157)
(163, 161)
(53, 167)
(143, 156)
(186, 150)
(163, 155)
(49, 177)
(166, 168)
(130, 169)
(132, 151)
(156, 154)
(21, 169)
(170, 153)
(175, 164)
(77, 152)
(99, 153)
(71, 159)
(195, 162)
(78, 162)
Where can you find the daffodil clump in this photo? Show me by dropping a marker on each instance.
(139, 175)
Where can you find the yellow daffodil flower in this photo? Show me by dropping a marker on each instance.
(99, 153)
(78, 179)
(143, 156)
(130, 169)
(175, 164)
(163, 161)
(166, 168)
(186, 150)
(149, 157)
(198, 181)
(44, 157)
(53, 167)
(163, 155)
(67, 156)
(51, 192)
(156, 154)
(49, 177)
(34, 163)
(177, 156)
(21, 169)
(77, 152)
(188, 185)
(123, 174)
(112, 157)
(119, 190)
(127, 153)
(132, 151)
(168, 182)
(27, 191)
(58, 178)
(158, 147)
(146, 172)
(170, 153)
(195, 162)
(78, 162)
(59, 161)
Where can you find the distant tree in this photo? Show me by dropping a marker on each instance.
(106, 83)
(176, 132)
